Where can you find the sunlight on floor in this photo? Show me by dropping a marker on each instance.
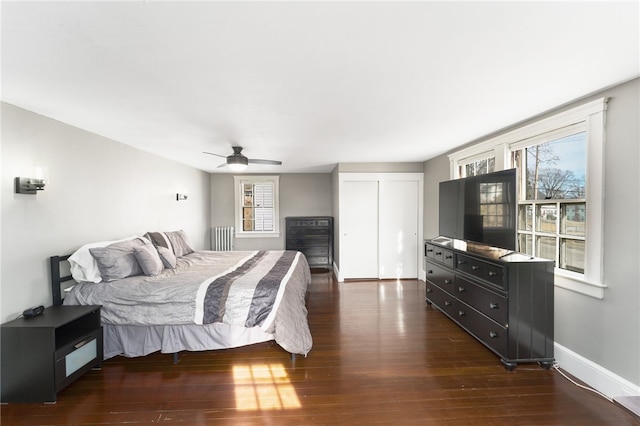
(263, 387)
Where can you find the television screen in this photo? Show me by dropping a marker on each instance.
(480, 209)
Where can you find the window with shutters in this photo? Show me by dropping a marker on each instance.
(256, 204)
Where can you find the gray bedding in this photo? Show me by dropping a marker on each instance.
(235, 290)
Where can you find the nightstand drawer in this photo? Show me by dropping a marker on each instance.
(77, 358)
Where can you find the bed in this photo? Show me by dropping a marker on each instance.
(192, 301)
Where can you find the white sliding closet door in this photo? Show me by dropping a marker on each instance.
(359, 229)
(398, 229)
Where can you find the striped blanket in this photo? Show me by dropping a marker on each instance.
(248, 293)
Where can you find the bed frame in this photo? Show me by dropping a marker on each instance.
(58, 280)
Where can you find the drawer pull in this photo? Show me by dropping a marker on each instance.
(492, 274)
(475, 267)
(429, 290)
(82, 343)
(429, 250)
(438, 253)
(430, 271)
(462, 262)
(448, 281)
(493, 334)
(448, 257)
(447, 303)
(461, 313)
(461, 290)
(493, 305)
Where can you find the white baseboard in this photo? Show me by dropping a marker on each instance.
(594, 375)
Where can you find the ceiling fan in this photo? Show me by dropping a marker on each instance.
(238, 162)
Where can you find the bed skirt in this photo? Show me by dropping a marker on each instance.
(134, 341)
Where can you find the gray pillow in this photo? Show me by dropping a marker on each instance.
(180, 243)
(159, 239)
(149, 259)
(117, 261)
(168, 258)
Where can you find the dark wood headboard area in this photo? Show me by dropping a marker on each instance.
(56, 279)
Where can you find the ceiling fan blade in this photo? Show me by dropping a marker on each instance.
(271, 162)
(222, 165)
(217, 155)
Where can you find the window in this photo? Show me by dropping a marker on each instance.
(552, 206)
(561, 187)
(475, 167)
(256, 201)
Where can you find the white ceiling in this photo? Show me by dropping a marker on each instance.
(311, 84)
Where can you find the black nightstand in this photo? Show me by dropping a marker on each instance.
(42, 355)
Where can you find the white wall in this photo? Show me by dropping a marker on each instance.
(98, 190)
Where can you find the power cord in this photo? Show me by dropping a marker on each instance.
(556, 367)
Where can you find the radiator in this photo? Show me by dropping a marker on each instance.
(222, 238)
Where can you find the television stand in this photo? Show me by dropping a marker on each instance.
(504, 300)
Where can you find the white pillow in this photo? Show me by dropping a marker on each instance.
(84, 266)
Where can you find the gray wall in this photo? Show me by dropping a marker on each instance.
(98, 190)
(606, 331)
(301, 194)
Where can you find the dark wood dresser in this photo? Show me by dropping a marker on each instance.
(313, 236)
(502, 298)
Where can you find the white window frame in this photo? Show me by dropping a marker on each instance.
(238, 182)
(590, 116)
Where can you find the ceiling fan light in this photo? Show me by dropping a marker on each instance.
(237, 167)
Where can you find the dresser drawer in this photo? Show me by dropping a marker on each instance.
(307, 232)
(443, 300)
(315, 251)
(429, 251)
(486, 301)
(483, 328)
(293, 242)
(441, 277)
(308, 222)
(489, 272)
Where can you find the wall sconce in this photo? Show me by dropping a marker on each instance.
(28, 185)
(181, 197)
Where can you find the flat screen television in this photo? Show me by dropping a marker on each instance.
(480, 209)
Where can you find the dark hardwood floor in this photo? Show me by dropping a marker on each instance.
(380, 356)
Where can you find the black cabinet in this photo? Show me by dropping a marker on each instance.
(504, 299)
(42, 355)
(313, 236)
